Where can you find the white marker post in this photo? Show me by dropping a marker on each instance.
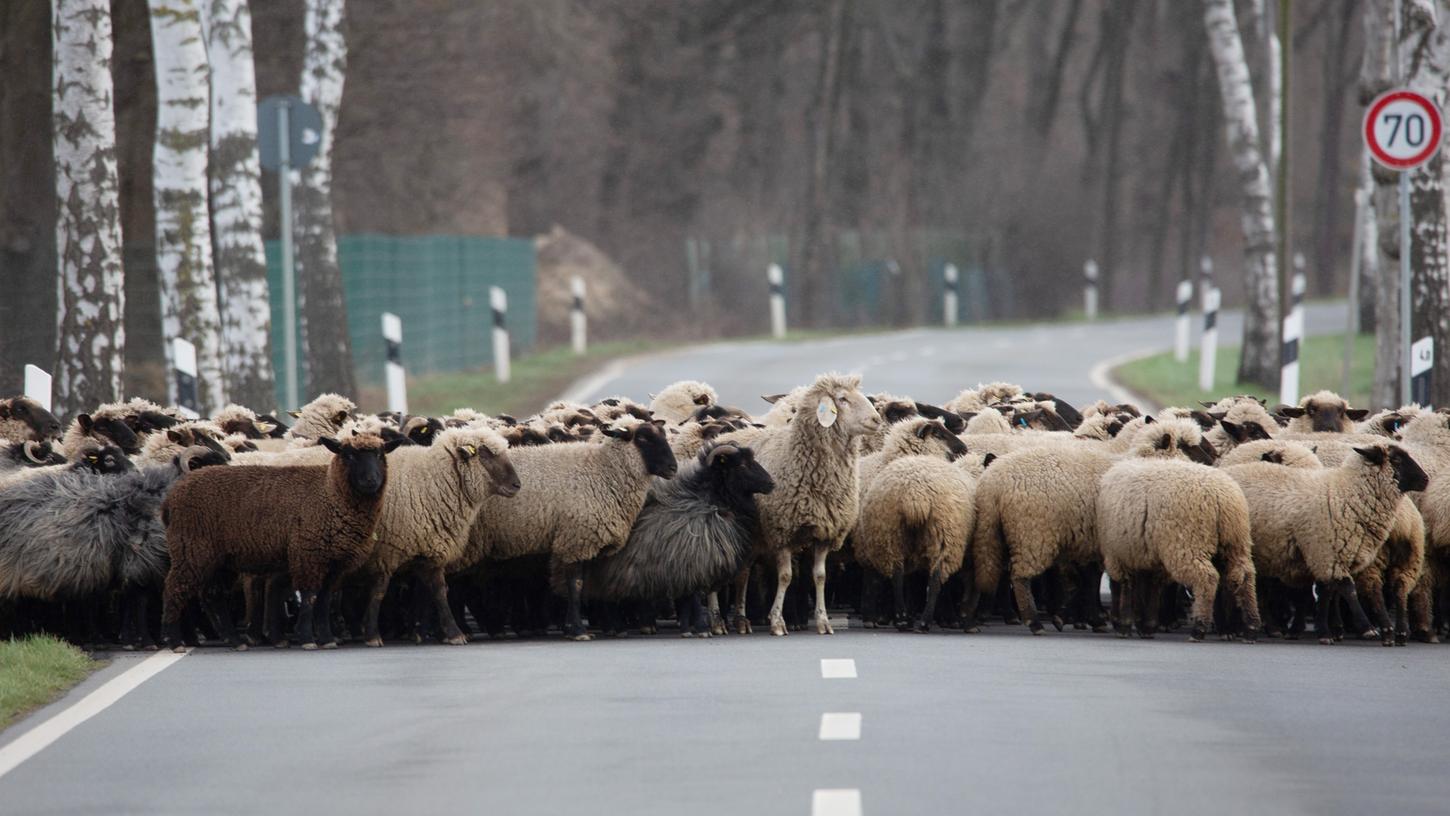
(1422, 363)
(1289, 350)
(37, 385)
(393, 369)
(183, 354)
(289, 283)
(1181, 328)
(1090, 289)
(1208, 348)
(949, 295)
(500, 304)
(777, 300)
(578, 321)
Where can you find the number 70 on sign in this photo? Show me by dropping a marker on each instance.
(1402, 129)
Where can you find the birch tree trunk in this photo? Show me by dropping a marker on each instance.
(91, 336)
(236, 205)
(1259, 361)
(817, 244)
(1425, 47)
(1376, 76)
(324, 313)
(183, 226)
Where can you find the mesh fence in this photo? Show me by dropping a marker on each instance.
(438, 285)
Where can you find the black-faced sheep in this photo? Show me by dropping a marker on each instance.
(23, 418)
(693, 534)
(316, 522)
(678, 401)
(321, 417)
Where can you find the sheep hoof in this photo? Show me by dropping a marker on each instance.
(1123, 633)
(281, 643)
(309, 647)
(868, 624)
(375, 642)
(1370, 634)
(687, 634)
(1080, 626)
(742, 625)
(903, 624)
(1035, 627)
(702, 635)
(178, 649)
(1401, 638)
(241, 647)
(1326, 641)
(1273, 633)
(777, 628)
(331, 644)
(718, 628)
(128, 647)
(1057, 622)
(1100, 628)
(1248, 638)
(923, 627)
(972, 629)
(456, 640)
(151, 647)
(581, 637)
(1197, 635)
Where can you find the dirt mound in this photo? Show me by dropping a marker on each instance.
(616, 306)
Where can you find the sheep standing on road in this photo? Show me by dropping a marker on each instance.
(678, 401)
(316, 522)
(22, 418)
(813, 461)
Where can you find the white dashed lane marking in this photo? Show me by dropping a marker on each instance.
(833, 668)
(841, 725)
(836, 802)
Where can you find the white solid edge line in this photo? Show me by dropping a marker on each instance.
(1101, 380)
(840, 725)
(836, 668)
(587, 387)
(42, 736)
(836, 802)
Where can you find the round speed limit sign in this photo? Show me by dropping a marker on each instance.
(1402, 129)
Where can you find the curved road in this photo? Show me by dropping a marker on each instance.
(946, 723)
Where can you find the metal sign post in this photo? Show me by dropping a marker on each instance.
(393, 369)
(1208, 347)
(578, 320)
(1181, 329)
(289, 134)
(949, 295)
(1090, 289)
(37, 385)
(500, 304)
(776, 277)
(1293, 333)
(1422, 359)
(183, 355)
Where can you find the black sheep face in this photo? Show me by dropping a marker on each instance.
(654, 448)
(42, 423)
(1327, 417)
(113, 429)
(736, 471)
(423, 433)
(271, 426)
(146, 422)
(106, 459)
(366, 465)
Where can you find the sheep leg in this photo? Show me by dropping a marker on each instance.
(1123, 606)
(438, 586)
(376, 592)
(1150, 591)
(1362, 625)
(176, 593)
(818, 574)
(1370, 587)
(1026, 604)
(574, 620)
(784, 571)
(323, 627)
(717, 621)
(254, 593)
(1328, 595)
(971, 597)
(1090, 602)
(217, 609)
(742, 589)
(928, 613)
(274, 600)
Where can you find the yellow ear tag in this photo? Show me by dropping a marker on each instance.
(826, 412)
(471, 449)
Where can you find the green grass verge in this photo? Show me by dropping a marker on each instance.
(35, 670)
(1166, 382)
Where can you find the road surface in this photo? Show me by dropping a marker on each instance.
(947, 722)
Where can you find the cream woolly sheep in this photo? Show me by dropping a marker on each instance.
(1277, 451)
(815, 501)
(917, 514)
(582, 500)
(23, 418)
(1390, 421)
(321, 417)
(677, 401)
(988, 421)
(1177, 518)
(161, 448)
(1037, 508)
(1322, 412)
(118, 423)
(238, 419)
(1329, 523)
(1102, 407)
(433, 496)
(977, 399)
(918, 436)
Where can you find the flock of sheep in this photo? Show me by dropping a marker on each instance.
(1231, 519)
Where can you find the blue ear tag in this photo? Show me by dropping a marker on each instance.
(826, 412)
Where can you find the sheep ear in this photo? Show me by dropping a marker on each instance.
(1234, 430)
(703, 399)
(614, 433)
(1114, 427)
(1164, 442)
(294, 414)
(925, 430)
(1204, 420)
(86, 423)
(1148, 420)
(988, 460)
(1373, 455)
(1218, 416)
(1289, 411)
(1276, 457)
(175, 436)
(1207, 404)
(265, 427)
(5, 409)
(1357, 414)
(772, 398)
(330, 443)
(390, 445)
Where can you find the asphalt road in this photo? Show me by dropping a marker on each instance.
(948, 723)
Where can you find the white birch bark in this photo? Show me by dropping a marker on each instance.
(183, 225)
(236, 206)
(1377, 76)
(90, 280)
(320, 301)
(1425, 49)
(1259, 362)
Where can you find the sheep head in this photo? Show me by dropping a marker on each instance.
(650, 439)
(42, 423)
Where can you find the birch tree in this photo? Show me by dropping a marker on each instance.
(183, 226)
(91, 336)
(1376, 77)
(1259, 360)
(1425, 50)
(324, 313)
(236, 206)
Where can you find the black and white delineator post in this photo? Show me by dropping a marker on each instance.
(500, 304)
(777, 300)
(1090, 289)
(393, 369)
(1422, 363)
(37, 385)
(1181, 328)
(1208, 348)
(949, 295)
(1293, 333)
(183, 355)
(578, 321)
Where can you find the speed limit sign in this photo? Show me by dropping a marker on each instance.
(1402, 129)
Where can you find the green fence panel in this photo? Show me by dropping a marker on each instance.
(438, 285)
